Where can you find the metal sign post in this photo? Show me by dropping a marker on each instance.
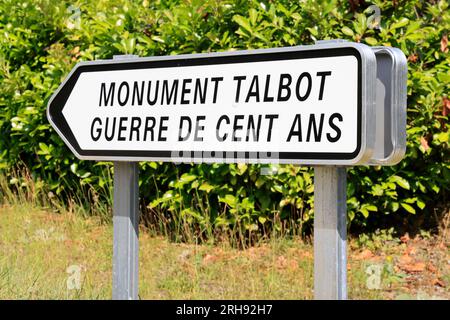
(126, 228)
(126, 231)
(330, 207)
(330, 233)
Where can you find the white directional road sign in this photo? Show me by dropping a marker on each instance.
(305, 105)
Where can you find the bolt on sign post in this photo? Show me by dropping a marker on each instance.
(330, 105)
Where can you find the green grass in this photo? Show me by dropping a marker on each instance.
(38, 246)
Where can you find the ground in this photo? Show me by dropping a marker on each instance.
(48, 255)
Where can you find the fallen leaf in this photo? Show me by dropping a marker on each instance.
(424, 143)
(413, 58)
(411, 250)
(446, 106)
(281, 262)
(413, 267)
(363, 255)
(431, 267)
(292, 265)
(208, 258)
(405, 259)
(306, 255)
(438, 282)
(404, 238)
(444, 42)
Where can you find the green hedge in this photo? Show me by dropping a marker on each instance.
(40, 41)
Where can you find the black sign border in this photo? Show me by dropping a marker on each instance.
(59, 101)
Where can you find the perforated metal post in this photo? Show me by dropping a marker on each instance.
(126, 228)
(330, 233)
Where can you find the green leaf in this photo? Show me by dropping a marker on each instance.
(313, 31)
(229, 200)
(377, 190)
(347, 31)
(242, 167)
(206, 187)
(371, 41)
(408, 208)
(168, 195)
(400, 181)
(74, 167)
(243, 22)
(44, 149)
(185, 178)
(420, 204)
(351, 215)
(259, 182)
(278, 188)
(395, 206)
(401, 23)
(371, 207)
(435, 188)
(364, 212)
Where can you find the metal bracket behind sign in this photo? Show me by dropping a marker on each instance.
(390, 129)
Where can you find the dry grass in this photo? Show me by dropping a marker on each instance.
(37, 247)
